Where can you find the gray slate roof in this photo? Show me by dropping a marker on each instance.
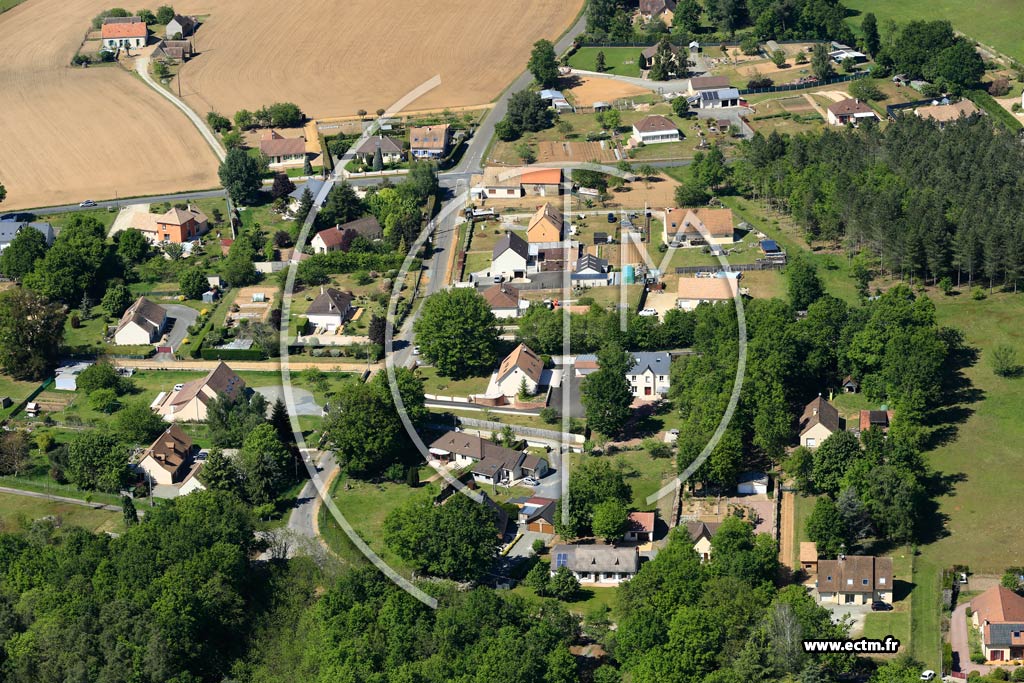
(658, 361)
(596, 558)
(8, 229)
(511, 240)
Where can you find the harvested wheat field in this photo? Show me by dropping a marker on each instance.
(71, 134)
(592, 90)
(333, 58)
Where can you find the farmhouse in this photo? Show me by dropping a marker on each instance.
(10, 228)
(999, 615)
(181, 27)
(522, 365)
(545, 225)
(944, 114)
(390, 149)
(430, 142)
(601, 565)
(654, 129)
(698, 226)
(662, 9)
(329, 310)
(694, 291)
(849, 111)
(281, 151)
(855, 579)
(491, 463)
(702, 83)
(125, 32)
(640, 527)
(503, 300)
(649, 376)
(143, 323)
(819, 421)
(701, 534)
(188, 404)
(509, 257)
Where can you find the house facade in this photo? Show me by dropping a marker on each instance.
(718, 98)
(189, 404)
(819, 421)
(649, 377)
(522, 365)
(655, 129)
(596, 565)
(180, 225)
(281, 151)
(169, 459)
(698, 227)
(701, 534)
(126, 32)
(640, 527)
(181, 25)
(855, 580)
(545, 225)
(143, 323)
(503, 300)
(998, 614)
(329, 310)
(851, 111)
(430, 142)
(509, 256)
(490, 463)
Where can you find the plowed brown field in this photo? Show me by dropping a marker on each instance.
(70, 134)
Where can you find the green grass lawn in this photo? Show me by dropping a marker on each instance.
(59, 220)
(621, 61)
(897, 622)
(9, 4)
(997, 23)
(16, 511)
(587, 599)
(802, 507)
(433, 383)
(476, 261)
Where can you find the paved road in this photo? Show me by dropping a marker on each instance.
(184, 317)
(303, 518)
(958, 639)
(142, 68)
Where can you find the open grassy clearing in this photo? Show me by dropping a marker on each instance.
(18, 511)
(621, 61)
(996, 23)
(458, 41)
(878, 625)
(433, 383)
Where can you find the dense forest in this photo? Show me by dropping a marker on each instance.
(926, 202)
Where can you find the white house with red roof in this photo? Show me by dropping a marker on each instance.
(124, 32)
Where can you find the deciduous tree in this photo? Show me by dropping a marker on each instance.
(31, 332)
(457, 332)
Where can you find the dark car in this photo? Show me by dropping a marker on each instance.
(879, 606)
(611, 218)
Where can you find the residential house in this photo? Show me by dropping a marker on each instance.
(366, 227)
(654, 129)
(999, 615)
(538, 514)
(678, 56)
(490, 463)
(752, 483)
(851, 111)
(127, 32)
(841, 53)
(662, 9)
(809, 557)
(545, 225)
(819, 421)
(66, 376)
(498, 182)
(597, 565)
(181, 26)
(590, 271)
(391, 151)
(640, 527)
(10, 228)
(699, 84)
(875, 419)
(694, 291)
(855, 580)
(330, 309)
(503, 300)
(335, 239)
(944, 114)
(519, 366)
(509, 256)
(701, 534)
(143, 323)
(281, 151)
(189, 403)
(586, 364)
(180, 225)
(698, 226)
(295, 196)
(169, 458)
(649, 376)
(716, 99)
(541, 182)
(430, 142)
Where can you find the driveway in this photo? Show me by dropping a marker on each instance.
(125, 217)
(304, 403)
(183, 317)
(958, 639)
(524, 546)
(856, 613)
(551, 485)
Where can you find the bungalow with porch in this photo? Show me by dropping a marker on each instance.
(281, 151)
(127, 32)
(490, 463)
(596, 565)
(654, 129)
(851, 111)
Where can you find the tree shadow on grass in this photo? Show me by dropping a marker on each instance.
(959, 394)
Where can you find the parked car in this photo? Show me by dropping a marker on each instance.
(87, 202)
(879, 606)
(928, 675)
(179, 387)
(415, 350)
(530, 481)
(611, 217)
(648, 313)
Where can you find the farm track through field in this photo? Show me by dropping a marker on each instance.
(70, 133)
